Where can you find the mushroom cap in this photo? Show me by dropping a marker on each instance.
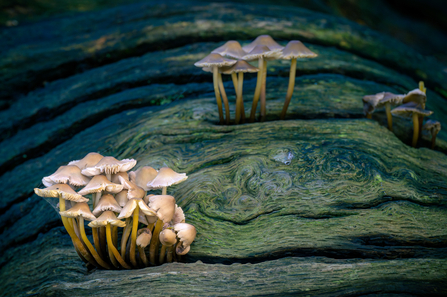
(433, 126)
(89, 160)
(64, 190)
(100, 183)
(230, 49)
(121, 198)
(214, 60)
(142, 218)
(107, 202)
(164, 206)
(179, 216)
(166, 177)
(240, 66)
(80, 209)
(185, 232)
(261, 51)
(371, 102)
(416, 96)
(133, 191)
(66, 174)
(115, 177)
(109, 165)
(143, 176)
(296, 49)
(107, 217)
(130, 207)
(181, 250)
(168, 237)
(144, 237)
(263, 40)
(407, 110)
(394, 99)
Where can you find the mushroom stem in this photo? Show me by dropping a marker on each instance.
(77, 243)
(225, 100)
(102, 240)
(239, 103)
(289, 89)
(154, 241)
(113, 249)
(125, 237)
(216, 92)
(263, 99)
(415, 129)
(133, 239)
(90, 246)
(143, 256)
(164, 190)
(96, 199)
(254, 105)
(115, 235)
(96, 242)
(161, 258)
(170, 253)
(112, 257)
(369, 116)
(433, 139)
(234, 78)
(389, 116)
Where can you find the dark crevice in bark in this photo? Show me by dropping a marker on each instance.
(374, 203)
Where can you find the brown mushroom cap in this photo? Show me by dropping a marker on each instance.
(107, 217)
(115, 177)
(261, 51)
(263, 40)
(144, 237)
(121, 198)
(133, 191)
(181, 250)
(107, 202)
(130, 207)
(164, 206)
(89, 160)
(168, 237)
(143, 176)
(241, 66)
(100, 183)
(109, 165)
(416, 96)
(166, 177)
(214, 60)
(407, 110)
(230, 49)
(370, 102)
(185, 232)
(296, 49)
(64, 190)
(394, 99)
(433, 126)
(80, 209)
(66, 174)
(179, 216)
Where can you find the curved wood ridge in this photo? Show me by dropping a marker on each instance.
(326, 203)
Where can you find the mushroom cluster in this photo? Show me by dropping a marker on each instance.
(410, 105)
(117, 195)
(231, 58)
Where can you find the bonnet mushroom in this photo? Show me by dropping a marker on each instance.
(167, 240)
(143, 240)
(434, 127)
(143, 176)
(89, 160)
(186, 234)
(109, 166)
(66, 174)
(165, 178)
(98, 184)
(383, 99)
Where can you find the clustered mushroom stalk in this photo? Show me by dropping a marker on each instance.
(127, 202)
(434, 127)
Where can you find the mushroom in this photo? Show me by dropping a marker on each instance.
(186, 234)
(383, 99)
(107, 202)
(179, 217)
(240, 67)
(133, 191)
(81, 211)
(168, 240)
(434, 127)
(143, 240)
(106, 219)
(109, 166)
(166, 177)
(412, 109)
(115, 177)
(293, 50)
(89, 160)
(417, 96)
(132, 208)
(164, 207)
(143, 176)
(98, 184)
(66, 174)
(215, 61)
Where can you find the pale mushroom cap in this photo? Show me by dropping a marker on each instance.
(230, 49)
(416, 96)
(79, 210)
(89, 160)
(407, 110)
(180, 250)
(142, 218)
(144, 237)
(66, 174)
(263, 40)
(241, 66)
(115, 177)
(394, 99)
(164, 206)
(166, 177)
(107, 202)
(296, 49)
(146, 199)
(260, 51)
(130, 207)
(370, 102)
(64, 190)
(107, 217)
(433, 126)
(179, 216)
(100, 183)
(168, 237)
(214, 60)
(185, 232)
(143, 176)
(110, 165)
(133, 191)
(121, 198)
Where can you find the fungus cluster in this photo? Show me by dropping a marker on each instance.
(116, 195)
(410, 105)
(232, 59)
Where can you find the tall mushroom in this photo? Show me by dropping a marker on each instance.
(165, 178)
(109, 166)
(383, 99)
(417, 96)
(293, 50)
(215, 61)
(434, 127)
(240, 67)
(143, 176)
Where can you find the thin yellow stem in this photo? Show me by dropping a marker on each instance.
(415, 130)
(143, 256)
(170, 253)
(96, 242)
(254, 105)
(90, 246)
(113, 249)
(125, 237)
(263, 88)
(217, 93)
(153, 248)
(133, 239)
(433, 140)
(389, 117)
(161, 258)
(225, 100)
(289, 89)
(239, 104)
